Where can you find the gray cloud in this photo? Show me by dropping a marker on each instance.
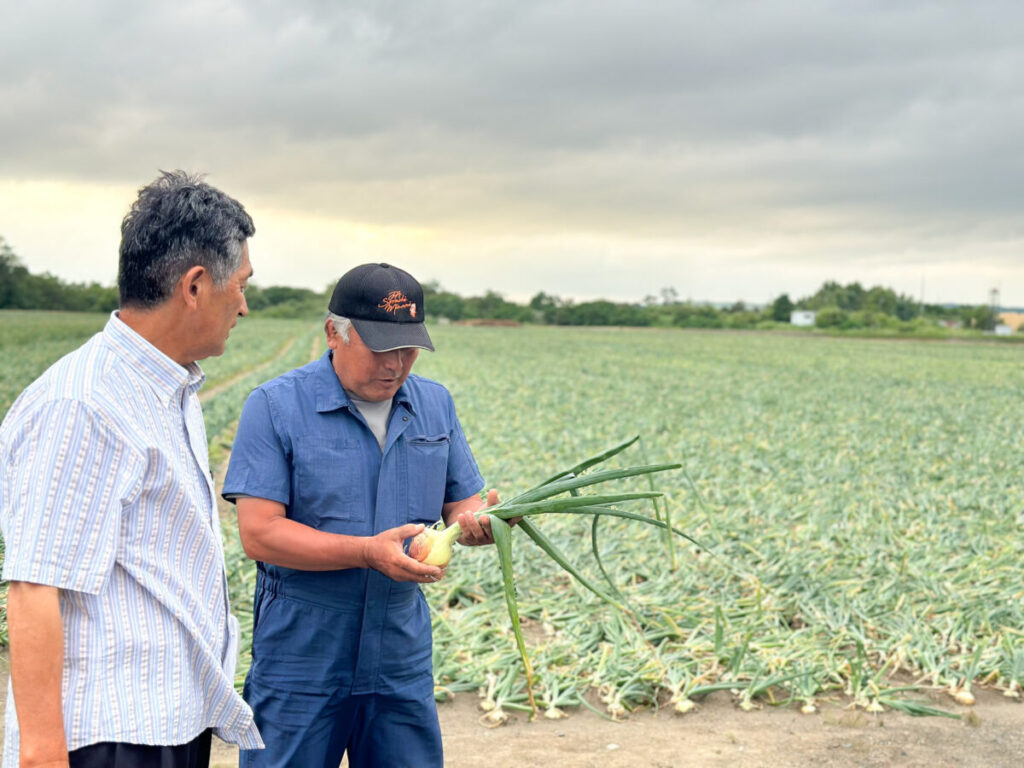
(883, 122)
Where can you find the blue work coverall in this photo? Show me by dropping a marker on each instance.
(341, 660)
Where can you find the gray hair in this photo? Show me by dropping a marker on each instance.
(341, 326)
(178, 222)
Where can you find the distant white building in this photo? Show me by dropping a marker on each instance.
(802, 317)
(1003, 330)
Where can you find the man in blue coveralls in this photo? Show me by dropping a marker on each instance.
(334, 466)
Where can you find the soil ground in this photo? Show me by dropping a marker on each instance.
(717, 733)
(720, 734)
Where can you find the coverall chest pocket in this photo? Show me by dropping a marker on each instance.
(428, 476)
(328, 480)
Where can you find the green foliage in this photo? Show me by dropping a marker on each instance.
(854, 298)
(445, 304)
(782, 308)
(832, 317)
(828, 527)
(32, 341)
(493, 306)
(546, 307)
(601, 313)
(308, 309)
(982, 317)
(849, 308)
(19, 289)
(286, 302)
(744, 320)
(841, 551)
(696, 316)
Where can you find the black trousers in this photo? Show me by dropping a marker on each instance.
(111, 754)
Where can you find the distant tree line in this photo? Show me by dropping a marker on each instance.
(840, 307)
(283, 301)
(851, 307)
(20, 289)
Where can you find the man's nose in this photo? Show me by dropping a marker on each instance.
(393, 359)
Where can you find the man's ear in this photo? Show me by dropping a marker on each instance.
(191, 285)
(332, 334)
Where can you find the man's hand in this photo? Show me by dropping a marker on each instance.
(476, 531)
(385, 552)
(269, 536)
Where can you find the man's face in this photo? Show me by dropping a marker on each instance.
(369, 375)
(225, 305)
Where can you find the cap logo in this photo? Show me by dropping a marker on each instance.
(395, 301)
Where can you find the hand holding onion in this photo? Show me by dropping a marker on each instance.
(434, 545)
(385, 553)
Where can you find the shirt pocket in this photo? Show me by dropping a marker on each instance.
(428, 476)
(328, 481)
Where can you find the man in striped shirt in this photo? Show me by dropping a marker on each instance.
(122, 645)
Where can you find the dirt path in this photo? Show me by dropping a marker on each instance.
(220, 469)
(718, 735)
(208, 394)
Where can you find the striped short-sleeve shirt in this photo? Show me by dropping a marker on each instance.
(106, 493)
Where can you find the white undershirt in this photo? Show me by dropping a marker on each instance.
(376, 414)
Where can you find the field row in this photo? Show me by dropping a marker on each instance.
(858, 504)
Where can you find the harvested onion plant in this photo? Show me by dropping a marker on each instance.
(559, 494)
(862, 500)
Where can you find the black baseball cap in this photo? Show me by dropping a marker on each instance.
(385, 304)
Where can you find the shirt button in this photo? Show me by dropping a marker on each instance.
(405, 418)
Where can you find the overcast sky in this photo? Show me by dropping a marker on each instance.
(730, 150)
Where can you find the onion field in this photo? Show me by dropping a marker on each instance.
(858, 506)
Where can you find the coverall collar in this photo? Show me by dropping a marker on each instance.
(331, 396)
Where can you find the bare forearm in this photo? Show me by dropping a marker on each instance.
(36, 637)
(290, 544)
(270, 536)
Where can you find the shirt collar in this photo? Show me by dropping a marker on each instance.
(331, 396)
(169, 379)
